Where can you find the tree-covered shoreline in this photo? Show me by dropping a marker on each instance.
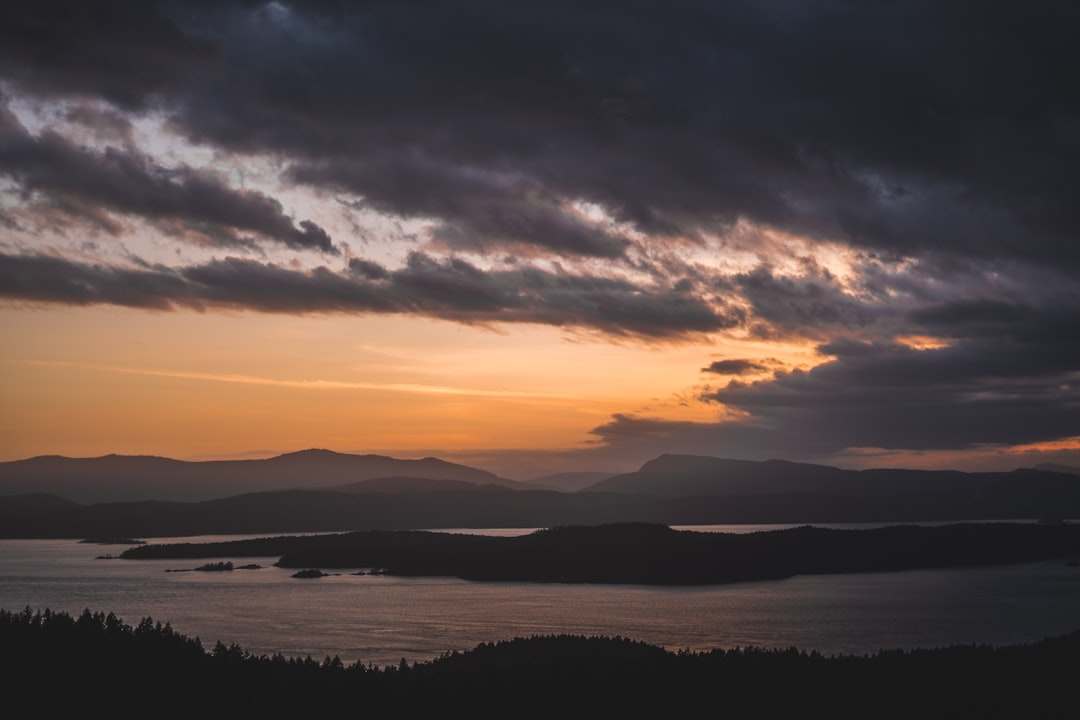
(57, 663)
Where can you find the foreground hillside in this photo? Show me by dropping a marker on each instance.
(62, 666)
(651, 554)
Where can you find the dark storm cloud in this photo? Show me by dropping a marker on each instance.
(818, 417)
(125, 52)
(55, 280)
(1010, 375)
(799, 418)
(235, 282)
(814, 117)
(903, 127)
(734, 367)
(127, 181)
(450, 289)
(370, 270)
(809, 304)
(1019, 390)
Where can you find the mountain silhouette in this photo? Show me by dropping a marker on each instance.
(139, 477)
(1058, 468)
(1020, 493)
(687, 475)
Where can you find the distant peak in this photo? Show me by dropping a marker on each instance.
(439, 461)
(120, 456)
(310, 452)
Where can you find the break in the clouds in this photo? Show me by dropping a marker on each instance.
(474, 208)
(60, 174)
(580, 164)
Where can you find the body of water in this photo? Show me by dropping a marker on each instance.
(381, 619)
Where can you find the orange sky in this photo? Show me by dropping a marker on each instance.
(90, 381)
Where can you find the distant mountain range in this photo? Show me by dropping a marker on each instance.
(687, 475)
(824, 491)
(135, 477)
(318, 490)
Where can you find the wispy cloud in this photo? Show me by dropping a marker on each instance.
(316, 385)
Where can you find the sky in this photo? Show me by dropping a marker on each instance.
(542, 236)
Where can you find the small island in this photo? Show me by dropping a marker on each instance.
(308, 574)
(112, 541)
(208, 567)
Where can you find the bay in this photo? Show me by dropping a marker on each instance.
(381, 619)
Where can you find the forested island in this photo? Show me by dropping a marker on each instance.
(150, 670)
(641, 553)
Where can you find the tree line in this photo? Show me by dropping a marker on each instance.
(55, 663)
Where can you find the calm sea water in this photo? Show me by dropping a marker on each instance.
(381, 619)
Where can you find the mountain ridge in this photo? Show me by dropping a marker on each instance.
(322, 490)
(675, 475)
(117, 478)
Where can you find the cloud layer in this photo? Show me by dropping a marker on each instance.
(451, 290)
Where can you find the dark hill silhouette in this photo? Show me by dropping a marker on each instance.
(1021, 493)
(130, 478)
(456, 505)
(39, 515)
(36, 502)
(334, 465)
(685, 475)
(399, 484)
(569, 481)
(1058, 468)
